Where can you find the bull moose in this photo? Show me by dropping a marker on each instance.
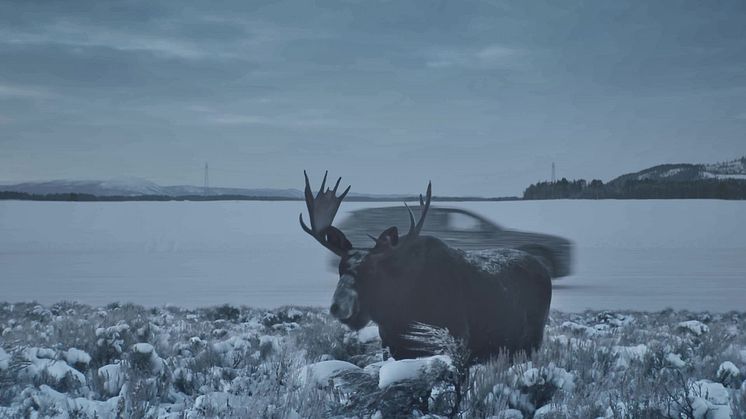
(409, 280)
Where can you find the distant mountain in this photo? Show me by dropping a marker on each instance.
(734, 169)
(725, 180)
(131, 187)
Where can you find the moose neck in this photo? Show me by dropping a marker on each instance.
(437, 290)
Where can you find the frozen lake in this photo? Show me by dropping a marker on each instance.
(643, 255)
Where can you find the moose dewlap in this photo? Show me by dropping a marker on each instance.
(496, 300)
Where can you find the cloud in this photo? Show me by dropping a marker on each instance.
(284, 121)
(491, 56)
(73, 35)
(7, 91)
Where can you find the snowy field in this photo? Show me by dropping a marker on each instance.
(639, 255)
(74, 361)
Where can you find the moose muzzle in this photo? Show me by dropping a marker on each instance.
(344, 302)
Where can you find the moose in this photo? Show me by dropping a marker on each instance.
(414, 279)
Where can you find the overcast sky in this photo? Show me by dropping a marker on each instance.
(480, 97)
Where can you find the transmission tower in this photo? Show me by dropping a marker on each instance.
(554, 178)
(206, 186)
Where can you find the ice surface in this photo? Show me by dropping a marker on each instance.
(642, 255)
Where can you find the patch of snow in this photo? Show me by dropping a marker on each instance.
(113, 378)
(321, 372)
(675, 360)
(368, 334)
(614, 319)
(724, 176)
(145, 356)
(695, 327)
(728, 374)
(76, 356)
(42, 365)
(551, 411)
(671, 172)
(627, 354)
(4, 359)
(507, 414)
(271, 341)
(707, 399)
(217, 403)
(143, 348)
(50, 400)
(579, 328)
(494, 260)
(373, 369)
(526, 375)
(393, 371)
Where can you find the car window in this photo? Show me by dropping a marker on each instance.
(458, 221)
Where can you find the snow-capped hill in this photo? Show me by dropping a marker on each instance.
(734, 169)
(138, 187)
(112, 187)
(664, 172)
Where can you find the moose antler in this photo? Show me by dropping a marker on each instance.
(414, 229)
(321, 211)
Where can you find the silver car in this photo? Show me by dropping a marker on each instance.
(461, 229)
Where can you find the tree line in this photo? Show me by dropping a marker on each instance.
(638, 189)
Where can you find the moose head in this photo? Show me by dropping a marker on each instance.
(367, 276)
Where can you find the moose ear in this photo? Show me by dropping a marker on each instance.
(336, 239)
(388, 238)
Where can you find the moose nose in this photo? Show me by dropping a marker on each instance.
(334, 310)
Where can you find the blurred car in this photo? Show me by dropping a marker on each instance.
(461, 229)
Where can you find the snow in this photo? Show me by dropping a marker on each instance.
(671, 172)
(217, 402)
(639, 255)
(43, 367)
(724, 176)
(675, 360)
(76, 356)
(368, 334)
(711, 400)
(321, 372)
(50, 400)
(493, 260)
(627, 354)
(695, 327)
(4, 359)
(149, 358)
(113, 378)
(728, 373)
(508, 414)
(393, 371)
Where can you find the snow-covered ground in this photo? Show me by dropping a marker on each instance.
(641, 255)
(74, 361)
